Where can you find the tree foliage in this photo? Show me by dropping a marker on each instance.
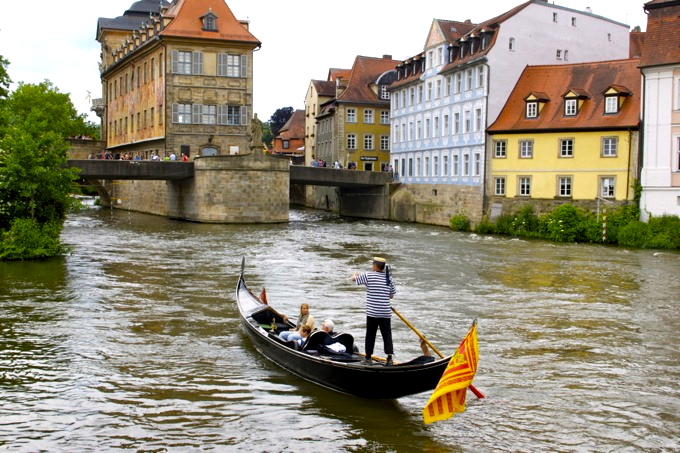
(4, 78)
(279, 119)
(35, 185)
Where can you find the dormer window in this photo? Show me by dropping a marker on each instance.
(534, 104)
(614, 97)
(209, 21)
(611, 104)
(532, 109)
(570, 107)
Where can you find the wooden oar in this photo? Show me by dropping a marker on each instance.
(474, 390)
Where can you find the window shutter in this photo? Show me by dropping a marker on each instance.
(244, 115)
(175, 62)
(175, 114)
(197, 63)
(221, 63)
(244, 65)
(221, 114)
(196, 113)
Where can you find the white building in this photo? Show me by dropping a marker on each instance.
(660, 65)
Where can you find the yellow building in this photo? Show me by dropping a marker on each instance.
(567, 134)
(353, 128)
(176, 79)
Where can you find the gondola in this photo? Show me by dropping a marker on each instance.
(342, 372)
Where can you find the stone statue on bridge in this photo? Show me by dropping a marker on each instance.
(256, 133)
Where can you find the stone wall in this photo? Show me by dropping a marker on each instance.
(81, 149)
(506, 206)
(435, 204)
(244, 188)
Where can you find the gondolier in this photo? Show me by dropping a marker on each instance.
(379, 291)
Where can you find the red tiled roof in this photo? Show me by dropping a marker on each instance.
(365, 72)
(294, 127)
(335, 73)
(555, 80)
(324, 88)
(187, 21)
(662, 40)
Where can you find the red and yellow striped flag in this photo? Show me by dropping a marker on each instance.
(449, 395)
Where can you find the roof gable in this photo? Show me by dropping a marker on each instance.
(662, 38)
(363, 76)
(186, 22)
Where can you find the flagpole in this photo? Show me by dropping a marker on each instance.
(472, 388)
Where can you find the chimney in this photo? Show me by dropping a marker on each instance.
(387, 57)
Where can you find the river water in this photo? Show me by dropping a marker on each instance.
(132, 341)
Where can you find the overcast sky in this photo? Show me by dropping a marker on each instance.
(301, 39)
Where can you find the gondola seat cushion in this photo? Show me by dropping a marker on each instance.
(315, 339)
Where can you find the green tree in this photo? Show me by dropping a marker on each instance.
(35, 185)
(278, 119)
(4, 78)
(267, 137)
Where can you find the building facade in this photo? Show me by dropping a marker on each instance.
(660, 66)
(567, 134)
(445, 96)
(179, 83)
(353, 128)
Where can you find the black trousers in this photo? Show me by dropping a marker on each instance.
(372, 325)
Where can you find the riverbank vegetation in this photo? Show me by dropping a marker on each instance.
(35, 184)
(567, 223)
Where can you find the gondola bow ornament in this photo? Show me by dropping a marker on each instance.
(449, 395)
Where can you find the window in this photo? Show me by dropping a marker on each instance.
(499, 185)
(426, 170)
(429, 91)
(526, 149)
(419, 130)
(449, 84)
(181, 113)
(468, 82)
(573, 21)
(418, 169)
(500, 149)
(411, 96)
(160, 114)
(368, 141)
(146, 73)
(478, 120)
(368, 116)
(232, 115)
(511, 44)
(564, 186)
(477, 170)
(427, 128)
(208, 114)
(459, 82)
(677, 153)
(532, 109)
(524, 186)
(351, 141)
(184, 62)
(153, 69)
(384, 143)
(456, 123)
(435, 166)
(466, 165)
(152, 117)
(570, 107)
(438, 89)
(435, 132)
(456, 165)
(384, 94)
(566, 55)
(445, 165)
(139, 75)
(209, 22)
(445, 130)
(232, 65)
(607, 187)
(558, 54)
(419, 99)
(351, 115)
(567, 147)
(384, 117)
(480, 76)
(609, 145)
(611, 104)
(286, 144)
(554, 17)
(466, 122)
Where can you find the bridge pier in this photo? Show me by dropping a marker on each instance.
(369, 203)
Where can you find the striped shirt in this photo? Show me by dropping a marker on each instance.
(377, 293)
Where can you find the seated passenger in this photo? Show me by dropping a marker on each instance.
(303, 319)
(305, 331)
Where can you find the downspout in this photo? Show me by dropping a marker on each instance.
(485, 181)
(641, 141)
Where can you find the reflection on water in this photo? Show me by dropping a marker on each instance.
(133, 340)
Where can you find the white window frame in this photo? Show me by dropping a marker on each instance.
(524, 186)
(369, 142)
(229, 65)
(570, 107)
(369, 117)
(351, 115)
(384, 143)
(607, 186)
(566, 147)
(532, 109)
(466, 164)
(181, 113)
(610, 146)
(499, 185)
(611, 104)
(526, 149)
(500, 149)
(351, 141)
(384, 117)
(564, 186)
